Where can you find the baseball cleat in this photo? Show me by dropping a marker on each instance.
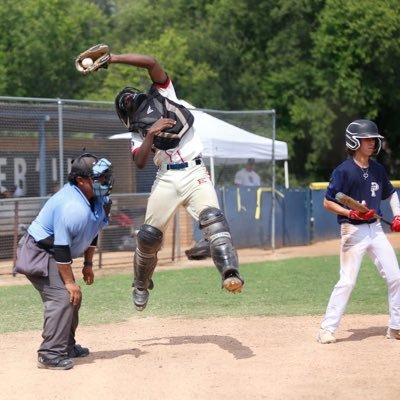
(393, 334)
(325, 337)
(233, 283)
(140, 298)
(78, 351)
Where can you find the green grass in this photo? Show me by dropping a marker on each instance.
(289, 287)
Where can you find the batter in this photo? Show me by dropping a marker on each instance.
(365, 180)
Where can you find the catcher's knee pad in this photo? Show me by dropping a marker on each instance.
(149, 241)
(216, 231)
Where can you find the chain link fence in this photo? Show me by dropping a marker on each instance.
(39, 139)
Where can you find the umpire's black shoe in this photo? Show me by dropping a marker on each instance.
(57, 362)
(78, 351)
(140, 298)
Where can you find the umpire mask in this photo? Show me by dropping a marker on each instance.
(102, 177)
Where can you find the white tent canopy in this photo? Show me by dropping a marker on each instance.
(225, 143)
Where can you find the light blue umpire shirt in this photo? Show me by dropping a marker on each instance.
(70, 219)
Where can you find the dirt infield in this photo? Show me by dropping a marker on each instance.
(224, 358)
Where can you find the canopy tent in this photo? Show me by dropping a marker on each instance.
(224, 143)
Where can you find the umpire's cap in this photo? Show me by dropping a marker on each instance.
(82, 166)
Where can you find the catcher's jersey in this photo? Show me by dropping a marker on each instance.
(371, 185)
(189, 147)
(69, 218)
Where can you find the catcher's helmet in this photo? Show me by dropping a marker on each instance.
(127, 102)
(361, 129)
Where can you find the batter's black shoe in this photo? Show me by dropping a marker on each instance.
(233, 282)
(58, 362)
(78, 351)
(140, 298)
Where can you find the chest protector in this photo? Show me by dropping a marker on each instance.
(155, 107)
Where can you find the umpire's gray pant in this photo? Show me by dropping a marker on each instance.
(61, 318)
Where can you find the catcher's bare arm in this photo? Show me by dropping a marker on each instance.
(157, 75)
(156, 71)
(144, 150)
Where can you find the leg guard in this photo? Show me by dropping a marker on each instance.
(149, 241)
(216, 232)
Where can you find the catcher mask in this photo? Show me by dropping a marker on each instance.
(361, 129)
(127, 102)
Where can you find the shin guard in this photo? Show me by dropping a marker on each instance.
(217, 233)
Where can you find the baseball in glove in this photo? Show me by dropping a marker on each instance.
(92, 59)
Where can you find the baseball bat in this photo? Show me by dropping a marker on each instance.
(355, 205)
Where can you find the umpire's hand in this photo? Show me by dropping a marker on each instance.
(88, 275)
(75, 293)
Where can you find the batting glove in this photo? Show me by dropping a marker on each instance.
(358, 215)
(395, 227)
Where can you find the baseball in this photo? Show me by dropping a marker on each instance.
(87, 62)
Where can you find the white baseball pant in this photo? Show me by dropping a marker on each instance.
(190, 187)
(356, 241)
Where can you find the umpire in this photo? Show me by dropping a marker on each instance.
(66, 227)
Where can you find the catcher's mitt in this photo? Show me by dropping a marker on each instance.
(99, 54)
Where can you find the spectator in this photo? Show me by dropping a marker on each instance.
(247, 176)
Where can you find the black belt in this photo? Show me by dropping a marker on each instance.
(187, 164)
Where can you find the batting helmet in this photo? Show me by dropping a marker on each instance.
(127, 102)
(361, 129)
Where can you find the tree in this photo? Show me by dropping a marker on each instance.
(42, 38)
(357, 53)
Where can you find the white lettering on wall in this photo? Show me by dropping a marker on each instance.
(20, 174)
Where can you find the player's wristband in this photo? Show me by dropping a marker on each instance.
(88, 264)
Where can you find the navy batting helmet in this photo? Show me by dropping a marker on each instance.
(361, 129)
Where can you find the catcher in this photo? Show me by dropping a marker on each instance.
(162, 126)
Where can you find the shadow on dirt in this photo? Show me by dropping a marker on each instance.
(361, 334)
(227, 343)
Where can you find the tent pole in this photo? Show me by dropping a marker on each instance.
(273, 184)
(286, 168)
(212, 170)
